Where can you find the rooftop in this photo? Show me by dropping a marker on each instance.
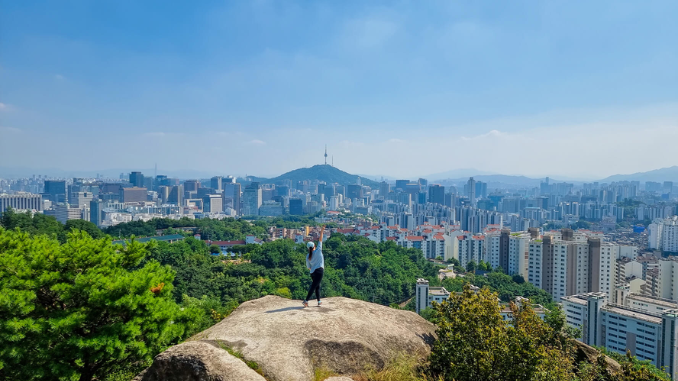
(632, 313)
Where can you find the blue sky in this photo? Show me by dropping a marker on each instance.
(572, 88)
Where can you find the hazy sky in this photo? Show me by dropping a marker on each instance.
(573, 88)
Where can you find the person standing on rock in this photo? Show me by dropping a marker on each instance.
(315, 262)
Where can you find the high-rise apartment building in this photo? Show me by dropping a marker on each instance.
(564, 265)
(20, 201)
(644, 326)
(663, 234)
(467, 248)
(471, 190)
(436, 194)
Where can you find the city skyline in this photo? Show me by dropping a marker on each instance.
(260, 88)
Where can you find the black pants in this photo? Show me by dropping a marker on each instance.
(317, 276)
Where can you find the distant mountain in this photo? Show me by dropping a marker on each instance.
(326, 173)
(659, 175)
(456, 174)
(498, 181)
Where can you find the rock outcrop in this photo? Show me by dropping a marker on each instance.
(288, 342)
(198, 361)
(589, 354)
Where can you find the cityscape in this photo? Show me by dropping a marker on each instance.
(338, 191)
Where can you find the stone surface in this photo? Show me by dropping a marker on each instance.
(342, 378)
(197, 361)
(289, 343)
(587, 353)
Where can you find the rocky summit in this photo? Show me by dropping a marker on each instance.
(288, 342)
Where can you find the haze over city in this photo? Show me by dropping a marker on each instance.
(578, 90)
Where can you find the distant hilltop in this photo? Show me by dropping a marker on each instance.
(321, 172)
(658, 175)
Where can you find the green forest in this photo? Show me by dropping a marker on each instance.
(75, 306)
(57, 285)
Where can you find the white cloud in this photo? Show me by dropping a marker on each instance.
(4, 107)
(369, 32)
(10, 130)
(395, 140)
(59, 77)
(258, 142)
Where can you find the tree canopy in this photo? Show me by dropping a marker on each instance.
(76, 311)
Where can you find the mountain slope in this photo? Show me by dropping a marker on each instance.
(662, 174)
(326, 173)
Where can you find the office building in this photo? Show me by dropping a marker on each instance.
(64, 212)
(296, 207)
(163, 194)
(191, 185)
(136, 179)
(176, 195)
(20, 201)
(237, 200)
(95, 211)
(212, 203)
(354, 191)
(134, 194)
(216, 183)
(384, 189)
(271, 209)
(81, 199)
(436, 194)
(55, 191)
(251, 200)
(401, 185)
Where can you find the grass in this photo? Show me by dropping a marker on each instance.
(252, 364)
(321, 374)
(402, 367)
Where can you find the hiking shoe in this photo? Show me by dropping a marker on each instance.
(320, 303)
(305, 303)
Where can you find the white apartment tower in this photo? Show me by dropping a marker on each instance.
(563, 266)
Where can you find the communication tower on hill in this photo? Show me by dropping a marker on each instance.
(325, 154)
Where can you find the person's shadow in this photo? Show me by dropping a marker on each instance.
(322, 309)
(284, 309)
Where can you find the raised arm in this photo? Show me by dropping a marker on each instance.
(322, 233)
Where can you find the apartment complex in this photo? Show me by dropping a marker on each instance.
(663, 234)
(644, 326)
(565, 264)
